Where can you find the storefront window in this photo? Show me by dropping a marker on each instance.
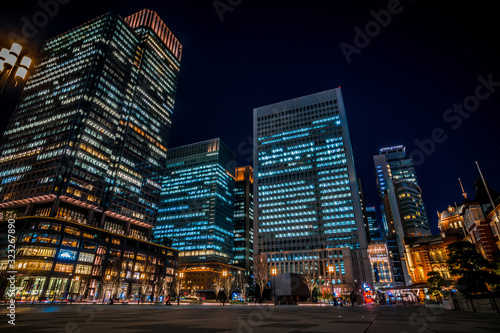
(67, 241)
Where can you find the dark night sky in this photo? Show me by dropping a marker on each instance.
(395, 90)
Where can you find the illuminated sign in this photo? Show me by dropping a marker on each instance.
(67, 255)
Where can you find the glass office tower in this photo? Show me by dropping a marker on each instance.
(197, 202)
(87, 141)
(403, 211)
(400, 195)
(308, 210)
(243, 218)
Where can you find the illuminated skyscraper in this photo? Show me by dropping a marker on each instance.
(403, 211)
(243, 218)
(400, 195)
(197, 202)
(87, 141)
(308, 210)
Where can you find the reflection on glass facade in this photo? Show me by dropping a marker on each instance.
(87, 141)
(197, 201)
(305, 184)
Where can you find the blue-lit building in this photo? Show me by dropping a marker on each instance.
(87, 141)
(403, 210)
(197, 202)
(308, 208)
(400, 194)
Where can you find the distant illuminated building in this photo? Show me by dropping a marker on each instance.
(87, 141)
(401, 197)
(197, 202)
(403, 210)
(243, 218)
(308, 210)
(373, 225)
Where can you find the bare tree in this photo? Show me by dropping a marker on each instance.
(113, 281)
(116, 284)
(145, 285)
(169, 288)
(84, 287)
(242, 284)
(261, 276)
(311, 277)
(228, 283)
(218, 282)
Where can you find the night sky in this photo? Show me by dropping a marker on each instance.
(397, 87)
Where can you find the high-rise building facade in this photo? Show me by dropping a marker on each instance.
(400, 195)
(197, 202)
(308, 211)
(363, 210)
(403, 210)
(87, 141)
(243, 218)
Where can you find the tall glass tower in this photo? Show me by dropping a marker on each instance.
(243, 218)
(400, 195)
(403, 210)
(197, 202)
(306, 194)
(87, 141)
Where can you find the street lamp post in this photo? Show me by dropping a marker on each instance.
(274, 271)
(224, 275)
(9, 61)
(181, 275)
(330, 270)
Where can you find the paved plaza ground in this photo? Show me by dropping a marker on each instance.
(90, 318)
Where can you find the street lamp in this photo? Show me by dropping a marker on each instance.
(181, 275)
(330, 270)
(9, 61)
(274, 271)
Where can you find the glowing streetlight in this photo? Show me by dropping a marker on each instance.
(181, 275)
(10, 60)
(274, 271)
(330, 271)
